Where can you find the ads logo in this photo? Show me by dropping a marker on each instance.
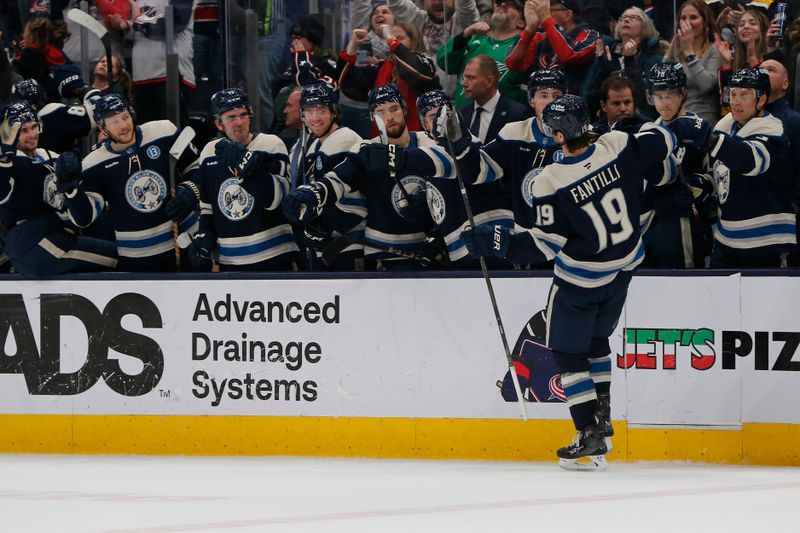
(655, 348)
(42, 369)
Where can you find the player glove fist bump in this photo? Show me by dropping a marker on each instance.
(695, 132)
(380, 159)
(487, 240)
(304, 203)
(183, 203)
(68, 173)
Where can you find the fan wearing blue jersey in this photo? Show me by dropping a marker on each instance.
(40, 240)
(243, 177)
(129, 174)
(751, 168)
(586, 218)
(391, 180)
(676, 218)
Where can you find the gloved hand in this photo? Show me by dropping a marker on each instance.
(304, 203)
(68, 172)
(417, 212)
(694, 131)
(628, 125)
(229, 153)
(381, 159)
(199, 251)
(68, 80)
(9, 133)
(447, 124)
(182, 204)
(700, 186)
(486, 240)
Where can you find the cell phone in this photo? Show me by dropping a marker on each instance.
(365, 47)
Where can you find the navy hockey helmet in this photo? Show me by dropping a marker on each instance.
(567, 114)
(432, 100)
(665, 77)
(228, 99)
(385, 93)
(30, 91)
(319, 94)
(109, 105)
(22, 112)
(543, 79)
(748, 78)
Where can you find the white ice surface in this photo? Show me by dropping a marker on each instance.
(92, 494)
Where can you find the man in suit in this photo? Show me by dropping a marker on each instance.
(489, 110)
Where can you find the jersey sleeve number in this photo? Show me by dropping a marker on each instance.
(616, 212)
(544, 215)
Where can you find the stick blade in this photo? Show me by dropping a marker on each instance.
(87, 21)
(381, 125)
(183, 140)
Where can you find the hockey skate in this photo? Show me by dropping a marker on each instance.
(603, 415)
(587, 451)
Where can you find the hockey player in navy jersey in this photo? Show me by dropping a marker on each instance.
(39, 239)
(62, 126)
(243, 177)
(586, 218)
(748, 157)
(676, 218)
(129, 173)
(326, 145)
(391, 180)
(523, 150)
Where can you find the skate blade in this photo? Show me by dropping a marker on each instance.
(590, 463)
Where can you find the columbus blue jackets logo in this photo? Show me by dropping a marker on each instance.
(153, 151)
(50, 195)
(527, 185)
(413, 185)
(436, 203)
(538, 374)
(234, 202)
(145, 190)
(722, 175)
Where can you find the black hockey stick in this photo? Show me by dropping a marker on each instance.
(172, 69)
(384, 136)
(85, 20)
(178, 147)
(468, 208)
(339, 244)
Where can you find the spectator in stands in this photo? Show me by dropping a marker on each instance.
(207, 46)
(563, 41)
(496, 40)
(39, 50)
(635, 49)
(750, 45)
(693, 47)
(122, 79)
(407, 66)
(778, 107)
(310, 61)
(439, 21)
(488, 110)
(372, 15)
(8, 77)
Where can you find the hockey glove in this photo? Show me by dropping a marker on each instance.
(304, 203)
(486, 240)
(183, 203)
(68, 173)
(700, 186)
(416, 212)
(694, 132)
(628, 125)
(199, 252)
(9, 133)
(382, 159)
(447, 125)
(68, 80)
(229, 153)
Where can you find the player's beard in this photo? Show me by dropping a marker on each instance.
(396, 131)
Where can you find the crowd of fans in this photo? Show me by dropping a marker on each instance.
(404, 60)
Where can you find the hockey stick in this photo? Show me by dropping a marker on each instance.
(172, 69)
(339, 244)
(484, 270)
(384, 136)
(178, 147)
(310, 253)
(84, 19)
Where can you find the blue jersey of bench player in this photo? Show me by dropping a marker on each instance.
(587, 207)
(62, 126)
(134, 185)
(245, 216)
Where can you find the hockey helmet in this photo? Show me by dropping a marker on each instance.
(21, 112)
(319, 94)
(29, 91)
(541, 79)
(748, 78)
(228, 99)
(385, 93)
(567, 114)
(109, 105)
(432, 100)
(665, 77)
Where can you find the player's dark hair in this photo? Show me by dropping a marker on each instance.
(615, 82)
(579, 142)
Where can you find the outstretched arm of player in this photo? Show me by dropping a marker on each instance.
(84, 204)
(655, 143)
